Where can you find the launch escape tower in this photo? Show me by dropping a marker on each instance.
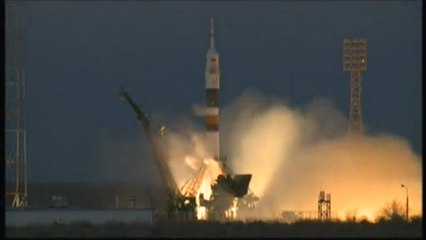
(355, 62)
(15, 134)
(324, 206)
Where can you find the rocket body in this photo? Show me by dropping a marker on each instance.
(212, 85)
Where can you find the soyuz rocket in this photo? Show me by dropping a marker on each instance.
(237, 184)
(212, 84)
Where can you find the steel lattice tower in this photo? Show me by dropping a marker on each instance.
(355, 62)
(15, 139)
(324, 206)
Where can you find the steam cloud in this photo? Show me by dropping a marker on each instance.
(295, 153)
(291, 153)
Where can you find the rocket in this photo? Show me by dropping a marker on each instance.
(237, 184)
(212, 84)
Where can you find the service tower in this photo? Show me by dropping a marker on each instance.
(15, 131)
(212, 78)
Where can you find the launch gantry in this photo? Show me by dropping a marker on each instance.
(15, 131)
(173, 202)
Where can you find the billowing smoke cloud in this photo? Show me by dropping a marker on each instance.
(186, 151)
(295, 153)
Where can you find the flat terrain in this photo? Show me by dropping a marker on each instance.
(102, 196)
(89, 195)
(396, 229)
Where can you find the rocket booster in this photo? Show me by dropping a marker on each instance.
(212, 84)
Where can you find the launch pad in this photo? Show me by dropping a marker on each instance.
(190, 199)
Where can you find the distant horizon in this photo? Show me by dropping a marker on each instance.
(112, 183)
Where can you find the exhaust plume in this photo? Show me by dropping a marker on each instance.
(295, 153)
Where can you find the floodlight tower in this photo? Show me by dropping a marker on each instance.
(15, 134)
(355, 62)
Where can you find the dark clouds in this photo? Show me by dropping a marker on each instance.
(78, 53)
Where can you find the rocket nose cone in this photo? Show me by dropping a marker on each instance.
(212, 52)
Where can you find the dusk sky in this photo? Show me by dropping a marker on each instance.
(78, 53)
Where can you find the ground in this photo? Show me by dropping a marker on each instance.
(397, 229)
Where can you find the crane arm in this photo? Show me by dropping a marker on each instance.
(141, 116)
(153, 142)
